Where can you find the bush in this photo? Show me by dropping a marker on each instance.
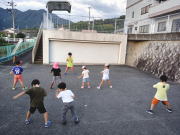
(20, 35)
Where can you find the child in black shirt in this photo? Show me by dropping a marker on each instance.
(56, 74)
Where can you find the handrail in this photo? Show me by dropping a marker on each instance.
(23, 48)
(34, 51)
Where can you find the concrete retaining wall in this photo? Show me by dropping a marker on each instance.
(157, 57)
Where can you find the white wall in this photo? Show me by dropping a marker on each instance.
(90, 48)
(84, 52)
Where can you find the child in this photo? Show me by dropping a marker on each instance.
(17, 71)
(85, 76)
(105, 77)
(68, 101)
(37, 95)
(56, 73)
(161, 95)
(70, 65)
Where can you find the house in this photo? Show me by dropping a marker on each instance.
(152, 16)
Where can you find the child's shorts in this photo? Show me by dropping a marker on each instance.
(156, 101)
(40, 108)
(105, 78)
(85, 80)
(18, 77)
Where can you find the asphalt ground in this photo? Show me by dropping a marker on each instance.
(117, 111)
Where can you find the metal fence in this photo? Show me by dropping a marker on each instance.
(6, 51)
(80, 23)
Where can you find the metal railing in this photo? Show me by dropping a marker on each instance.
(36, 45)
(80, 23)
(6, 51)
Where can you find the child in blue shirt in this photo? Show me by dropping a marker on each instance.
(17, 71)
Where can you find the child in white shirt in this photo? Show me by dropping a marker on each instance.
(85, 77)
(105, 77)
(67, 97)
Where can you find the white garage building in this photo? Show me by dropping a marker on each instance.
(87, 48)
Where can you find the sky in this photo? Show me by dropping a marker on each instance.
(79, 10)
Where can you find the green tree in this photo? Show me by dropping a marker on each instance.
(2, 34)
(20, 35)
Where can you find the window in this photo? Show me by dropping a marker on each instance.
(176, 25)
(145, 9)
(161, 26)
(133, 14)
(144, 29)
(130, 30)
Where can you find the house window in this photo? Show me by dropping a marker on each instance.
(133, 14)
(145, 9)
(144, 29)
(130, 30)
(161, 26)
(176, 25)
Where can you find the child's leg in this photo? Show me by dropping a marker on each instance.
(82, 86)
(72, 69)
(67, 68)
(88, 84)
(15, 81)
(101, 83)
(28, 115)
(152, 107)
(52, 82)
(45, 117)
(109, 82)
(55, 78)
(154, 103)
(167, 104)
(65, 109)
(22, 83)
(74, 115)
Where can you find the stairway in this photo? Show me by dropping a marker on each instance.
(39, 54)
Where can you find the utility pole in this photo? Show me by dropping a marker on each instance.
(69, 24)
(93, 25)
(89, 18)
(12, 4)
(115, 26)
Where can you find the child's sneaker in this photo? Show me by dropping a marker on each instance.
(169, 110)
(25, 88)
(27, 122)
(82, 87)
(150, 111)
(110, 86)
(77, 121)
(64, 123)
(98, 87)
(13, 88)
(48, 124)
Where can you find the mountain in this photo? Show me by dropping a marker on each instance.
(25, 20)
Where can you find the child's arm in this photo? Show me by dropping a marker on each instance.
(19, 95)
(57, 93)
(80, 76)
(155, 85)
(11, 72)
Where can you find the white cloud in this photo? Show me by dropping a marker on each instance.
(31, 4)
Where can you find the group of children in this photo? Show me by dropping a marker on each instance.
(37, 93)
(85, 73)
